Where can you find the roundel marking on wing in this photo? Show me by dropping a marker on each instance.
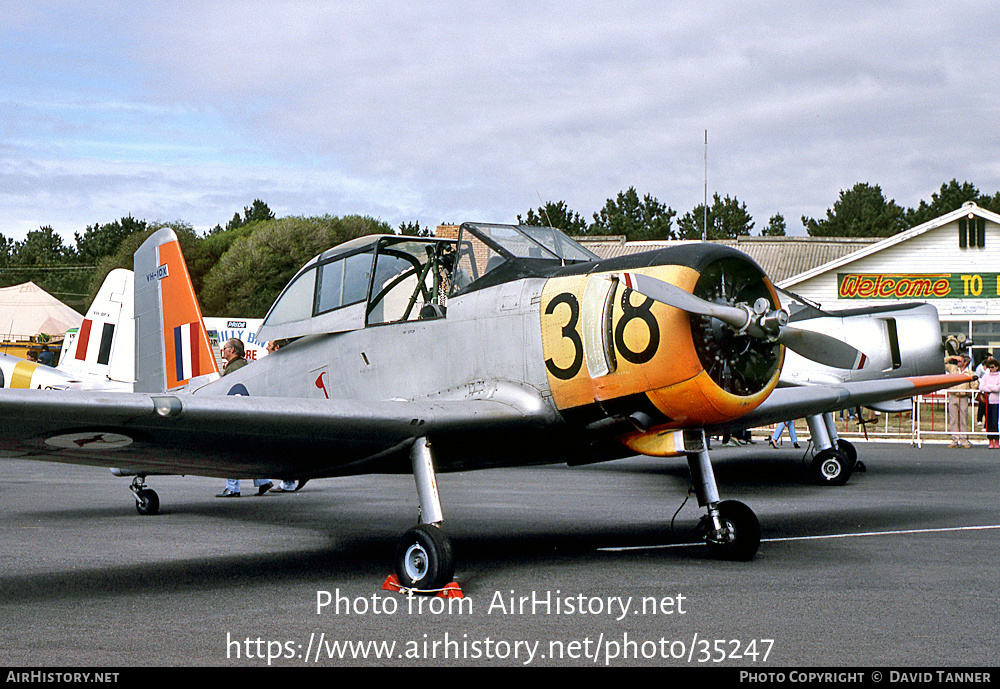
(90, 440)
(239, 389)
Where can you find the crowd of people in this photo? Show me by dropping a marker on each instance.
(984, 390)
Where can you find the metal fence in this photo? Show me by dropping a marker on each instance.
(934, 418)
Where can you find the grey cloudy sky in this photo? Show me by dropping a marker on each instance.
(453, 111)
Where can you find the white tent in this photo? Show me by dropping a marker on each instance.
(27, 310)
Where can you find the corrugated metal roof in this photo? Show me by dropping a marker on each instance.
(780, 257)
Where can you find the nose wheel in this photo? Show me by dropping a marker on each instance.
(738, 534)
(424, 559)
(731, 529)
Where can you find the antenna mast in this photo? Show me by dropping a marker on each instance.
(704, 226)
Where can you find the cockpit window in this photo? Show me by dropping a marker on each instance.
(323, 287)
(558, 243)
(409, 276)
(484, 249)
(342, 282)
(295, 303)
(530, 241)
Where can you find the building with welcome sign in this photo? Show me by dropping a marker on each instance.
(952, 262)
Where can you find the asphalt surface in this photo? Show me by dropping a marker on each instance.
(896, 569)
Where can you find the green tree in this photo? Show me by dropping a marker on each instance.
(556, 215)
(211, 249)
(727, 218)
(413, 229)
(861, 212)
(775, 227)
(44, 259)
(990, 203)
(6, 251)
(258, 211)
(637, 220)
(99, 241)
(950, 197)
(42, 247)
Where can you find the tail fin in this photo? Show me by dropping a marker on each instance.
(172, 346)
(104, 346)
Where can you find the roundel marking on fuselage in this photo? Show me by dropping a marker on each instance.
(239, 389)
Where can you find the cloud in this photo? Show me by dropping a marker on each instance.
(458, 111)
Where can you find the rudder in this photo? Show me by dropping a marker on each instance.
(171, 343)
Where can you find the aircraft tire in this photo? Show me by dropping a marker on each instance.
(830, 468)
(744, 529)
(147, 502)
(424, 558)
(848, 449)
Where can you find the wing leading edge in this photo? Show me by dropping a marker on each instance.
(240, 436)
(796, 402)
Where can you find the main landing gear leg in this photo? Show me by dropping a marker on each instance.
(732, 531)
(831, 466)
(424, 559)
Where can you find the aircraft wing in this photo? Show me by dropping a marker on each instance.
(796, 402)
(240, 437)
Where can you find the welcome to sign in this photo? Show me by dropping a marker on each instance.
(918, 285)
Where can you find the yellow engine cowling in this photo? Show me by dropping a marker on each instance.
(613, 352)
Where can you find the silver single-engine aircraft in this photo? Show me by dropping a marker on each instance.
(899, 341)
(506, 346)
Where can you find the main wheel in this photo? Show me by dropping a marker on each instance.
(424, 559)
(830, 468)
(740, 536)
(851, 452)
(147, 502)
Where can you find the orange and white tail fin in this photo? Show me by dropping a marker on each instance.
(104, 346)
(172, 348)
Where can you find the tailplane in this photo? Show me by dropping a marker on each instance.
(172, 348)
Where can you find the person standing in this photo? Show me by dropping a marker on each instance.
(981, 402)
(233, 353)
(990, 384)
(959, 398)
(47, 357)
(779, 430)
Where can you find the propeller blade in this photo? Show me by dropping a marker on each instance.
(672, 295)
(817, 347)
(822, 349)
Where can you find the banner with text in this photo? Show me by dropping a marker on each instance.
(918, 285)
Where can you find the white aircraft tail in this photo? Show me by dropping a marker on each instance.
(172, 348)
(104, 345)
